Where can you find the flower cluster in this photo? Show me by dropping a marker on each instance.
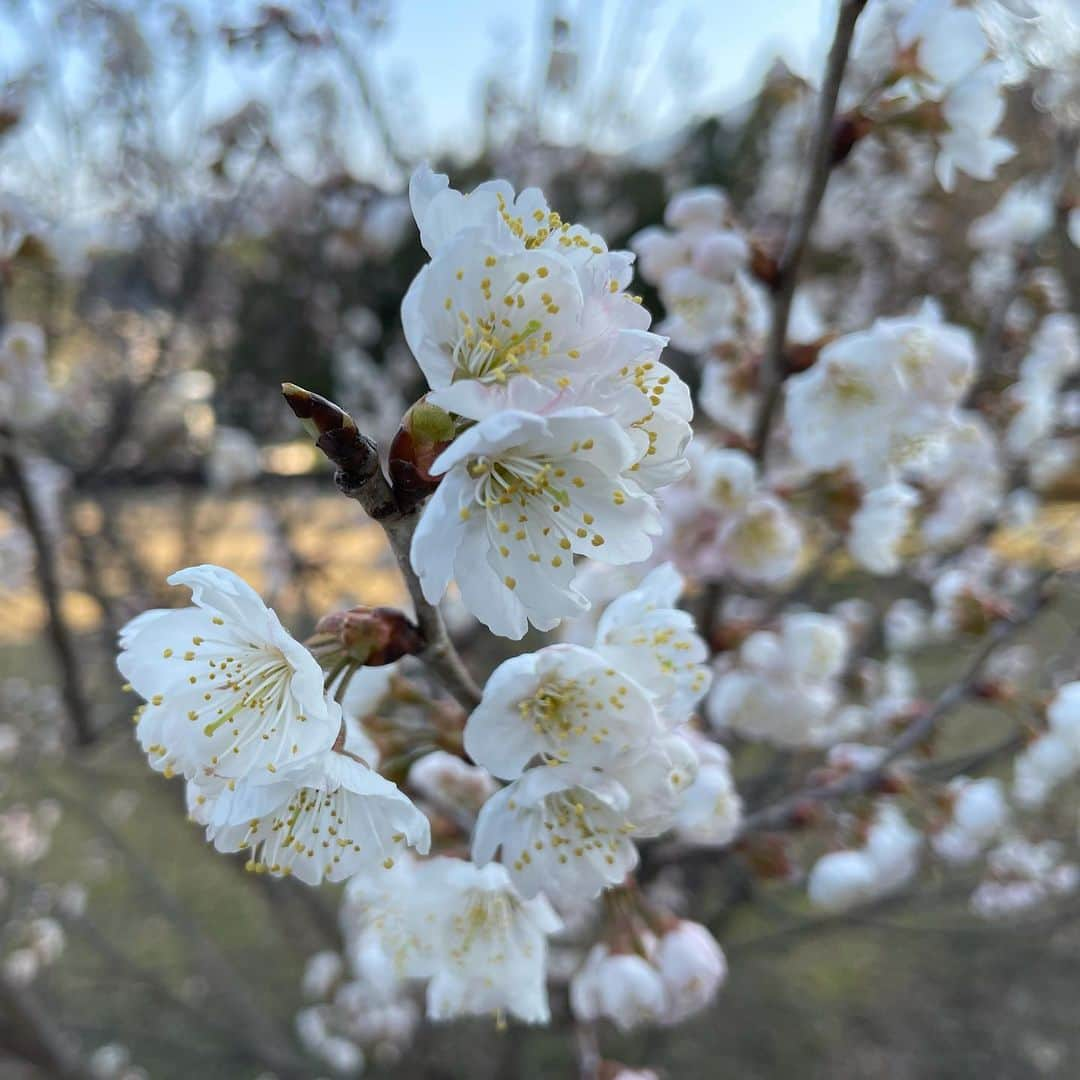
(665, 980)
(783, 687)
(881, 401)
(1034, 400)
(953, 73)
(593, 753)
(566, 420)
(701, 264)
(464, 930)
(537, 458)
(1054, 756)
(1023, 875)
(886, 862)
(238, 708)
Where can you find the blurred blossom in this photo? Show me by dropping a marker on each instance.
(233, 459)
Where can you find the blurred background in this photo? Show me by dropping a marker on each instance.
(199, 200)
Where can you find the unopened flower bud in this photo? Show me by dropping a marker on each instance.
(764, 266)
(847, 131)
(425, 432)
(365, 635)
(692, 967)
(335, 434)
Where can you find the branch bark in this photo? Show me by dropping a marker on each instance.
(1064, 202)
(786, 810)
(48, 582)
(791, 808)
(773, 365)
(360, 477)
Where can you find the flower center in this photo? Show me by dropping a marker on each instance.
(481, 353)
(499, 481)
(849, 390)
(559, 711)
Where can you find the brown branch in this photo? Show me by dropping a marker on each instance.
(1064, 203)
(822, 158)
(48, 583)
(360, 477)
(790, 809)
(784, 812)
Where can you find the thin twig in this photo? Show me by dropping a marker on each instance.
(1064, 204)
(791, 808)
(359, 476)
(786, 810)
(773, 365)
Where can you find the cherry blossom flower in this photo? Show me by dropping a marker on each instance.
(884, 864)
(979, 814)
(482, 947)
(513, 291)
(644, 632)
(228, 691)
(521, 494)
(623, 987)
(563, 703)
(710, 810)
(327, 820)
(563, 831)
(879, 526)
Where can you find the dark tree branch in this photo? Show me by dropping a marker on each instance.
(822, 158)
(48, 582)
(360, 477)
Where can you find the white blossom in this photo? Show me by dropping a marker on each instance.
(645, 634)
(451, 783)
(1022, 215)
(562, 704)
(887, 861)
(692, 968)
(562, 831)
(521, 494)
(763, 544)
(783, 686)
(1023, 875)
(1053, 757)
(882, 400)
(513, 291)
(622, 987)
(979, 814)
(329, 819)
(228, 691)
(465, 929)
(879, 526)
(710, 811)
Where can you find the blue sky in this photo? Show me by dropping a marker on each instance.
(446, 47)
(680, 59)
